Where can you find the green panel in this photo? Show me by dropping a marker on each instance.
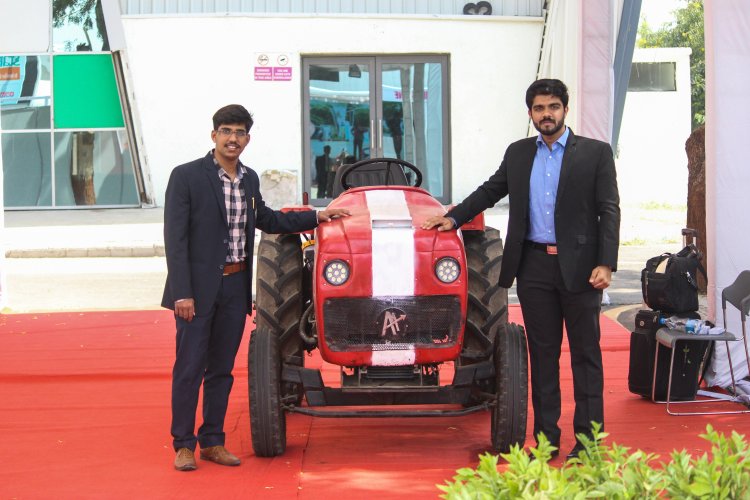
(85, 92)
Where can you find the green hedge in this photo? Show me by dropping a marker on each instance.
(611, 472)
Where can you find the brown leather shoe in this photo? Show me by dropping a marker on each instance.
(219, 455)
(185, 460)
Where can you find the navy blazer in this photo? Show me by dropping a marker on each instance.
(196, 233)
(587, 211)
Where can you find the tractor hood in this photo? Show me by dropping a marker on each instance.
(400, 210)
(378, 267)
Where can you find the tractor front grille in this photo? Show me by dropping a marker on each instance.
(382, 323)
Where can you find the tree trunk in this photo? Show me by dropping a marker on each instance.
(695, 147)
(82, 168)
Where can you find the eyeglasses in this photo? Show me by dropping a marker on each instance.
(240, 134)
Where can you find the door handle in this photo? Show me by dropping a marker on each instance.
(380, 137)
(372, 139)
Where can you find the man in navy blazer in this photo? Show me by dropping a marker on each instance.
(561, 246)
(212, 207)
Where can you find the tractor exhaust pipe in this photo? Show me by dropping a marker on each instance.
(310, 341)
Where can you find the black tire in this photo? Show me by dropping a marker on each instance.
(280, 299)
(278, 295)
(508, 424)
(488, 303)
(267, 418)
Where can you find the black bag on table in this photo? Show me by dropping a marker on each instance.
(669, 281)
(689, 362)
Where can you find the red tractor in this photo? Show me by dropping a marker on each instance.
(390, 303)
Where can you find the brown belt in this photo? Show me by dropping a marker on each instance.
(544, 247)
(234, 267)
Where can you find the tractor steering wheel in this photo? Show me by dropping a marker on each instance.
(389, 162)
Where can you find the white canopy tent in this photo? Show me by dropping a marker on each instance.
(727, 173)
(588, 30)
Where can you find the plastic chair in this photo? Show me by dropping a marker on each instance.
(737, 294)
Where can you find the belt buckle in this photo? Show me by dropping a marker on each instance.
(551, 249)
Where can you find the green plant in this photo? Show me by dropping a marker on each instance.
(609, 472)
(635, 242)
(726, 474)
(656, 205)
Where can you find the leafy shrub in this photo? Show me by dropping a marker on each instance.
(611, 472)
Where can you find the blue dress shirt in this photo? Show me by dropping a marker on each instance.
(545, 176)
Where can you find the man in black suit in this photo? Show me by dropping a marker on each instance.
(322, 165)
(562, 242)
(212, 207)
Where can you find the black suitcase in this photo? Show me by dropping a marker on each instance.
(689, 361)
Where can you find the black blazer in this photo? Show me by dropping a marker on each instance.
(196, 234)
(587, 211)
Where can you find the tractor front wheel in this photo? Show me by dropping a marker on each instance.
(509, 414)
(280, 299)
(488, 302)
(267, 417)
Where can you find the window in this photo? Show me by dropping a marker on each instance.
(652, 77)
(64, 138)
(376, 106)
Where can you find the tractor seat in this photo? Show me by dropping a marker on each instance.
(374, 174)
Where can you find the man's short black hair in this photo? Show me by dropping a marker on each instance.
(547, 86)
(233, 113)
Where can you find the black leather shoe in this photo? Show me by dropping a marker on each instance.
(576, 452)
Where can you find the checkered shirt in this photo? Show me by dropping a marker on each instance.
(234, 197)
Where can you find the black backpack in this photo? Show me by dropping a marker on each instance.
(669, 281)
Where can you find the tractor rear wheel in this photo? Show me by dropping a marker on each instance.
(508, 425)
(280, 299)
(267, 417)
(487, 309)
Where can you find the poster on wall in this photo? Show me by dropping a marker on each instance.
(272, 67)
(12, 74)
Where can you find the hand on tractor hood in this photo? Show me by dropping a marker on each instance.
(442, 223)
(333, 213)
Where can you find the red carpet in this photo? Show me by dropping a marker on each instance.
(85, 414)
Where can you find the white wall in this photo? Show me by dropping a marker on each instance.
(652, 163)
(24, 26)
(184, 68)
(34, 37)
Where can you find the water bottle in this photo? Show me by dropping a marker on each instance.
(685, 325)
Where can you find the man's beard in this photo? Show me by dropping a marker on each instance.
(551, 131)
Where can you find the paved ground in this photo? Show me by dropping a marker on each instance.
(70, 260)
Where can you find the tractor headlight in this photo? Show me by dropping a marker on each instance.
(336, 272)
(447, 270)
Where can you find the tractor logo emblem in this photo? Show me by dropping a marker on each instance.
(392, 322)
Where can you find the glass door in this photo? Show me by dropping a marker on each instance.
(380, 106)
(339, 119)
(412, 111)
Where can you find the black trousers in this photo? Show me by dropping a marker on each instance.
(322, 177)
(546, 304)
(206, 349)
